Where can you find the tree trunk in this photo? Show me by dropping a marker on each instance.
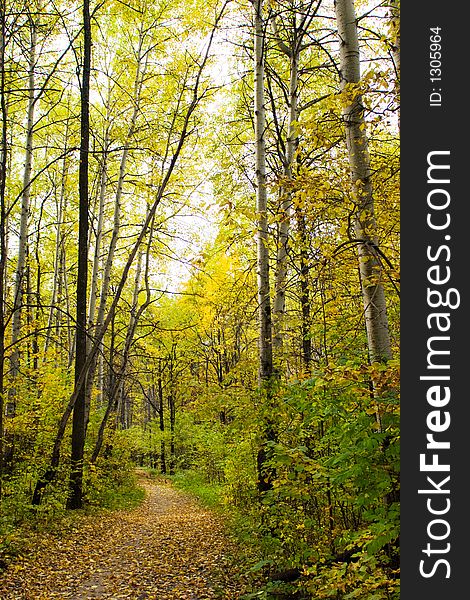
(23, 241)
(305, 294)
(264, 300)
(394, 16)
(39, 309)
(58, 263)
(95, 274)
(75, 499)
(66, 292)
(172, 408)
(161, 415)
(279, 307)
(99, 234)
(3, 252)
(394, 19)
(365, 227)
(298, 20)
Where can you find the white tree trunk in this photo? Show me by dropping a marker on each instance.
(98, 237)
(264, 301)
(375, 309)
(57, 278)
(279, 307)
(23, 241)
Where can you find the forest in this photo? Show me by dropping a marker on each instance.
(199, 254)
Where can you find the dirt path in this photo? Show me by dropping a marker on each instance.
(167, 549)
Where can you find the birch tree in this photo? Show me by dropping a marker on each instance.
(264, 298)
(3, 212)
(266, 371)
(25, 205)
(292, 53)
(292, 44)
(365, 227)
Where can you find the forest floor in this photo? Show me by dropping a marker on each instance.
(169, 548)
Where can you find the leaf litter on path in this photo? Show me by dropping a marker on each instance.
(169, 548)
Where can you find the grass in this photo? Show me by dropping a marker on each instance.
(126, 497)
(209, 494)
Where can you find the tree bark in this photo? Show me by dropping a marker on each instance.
(394, 16)
(161, 415)
(264, 299)
(305, 294)
(3, 251)
(75, 499)
(279, 305)
(172, 409)
(394, 20)
(365, 227)
(266, 370)
(99, 234)
(23, 241)
(299, 17)
(172, 406)
(95, 276)
(58, 275)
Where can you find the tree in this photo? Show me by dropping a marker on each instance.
(298, 19)
(3, 211)
(264, 299)
(370, 269)
(295, 20)
(79, 409)
(25, 207)
(394, 12)
(136, 312)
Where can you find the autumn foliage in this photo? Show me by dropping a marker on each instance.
(300, 457)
